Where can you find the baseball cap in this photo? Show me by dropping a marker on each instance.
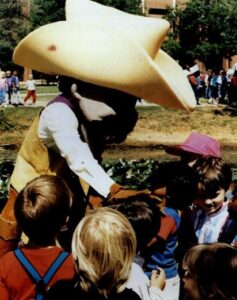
(198, 144)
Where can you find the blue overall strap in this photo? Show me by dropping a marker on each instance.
(41, 282)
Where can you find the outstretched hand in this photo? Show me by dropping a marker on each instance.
(119, 192)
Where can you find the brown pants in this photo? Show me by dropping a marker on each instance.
(8, 226)
(30, 94)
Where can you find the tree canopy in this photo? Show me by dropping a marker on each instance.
(44, 12)
(205, 30)
(13, 27)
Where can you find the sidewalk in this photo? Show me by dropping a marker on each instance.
(42, 103)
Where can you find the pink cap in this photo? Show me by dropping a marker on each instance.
(198, 144)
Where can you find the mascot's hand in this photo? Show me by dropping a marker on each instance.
(119, 192)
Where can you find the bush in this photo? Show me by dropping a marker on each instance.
(134, 174)
(6, 169)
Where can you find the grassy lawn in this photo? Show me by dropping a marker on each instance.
(156, 125)
(45, 89)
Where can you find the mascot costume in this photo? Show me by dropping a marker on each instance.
(106, 60)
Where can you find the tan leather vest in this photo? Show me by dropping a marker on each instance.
(35, 159)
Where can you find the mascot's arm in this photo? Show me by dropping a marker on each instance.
(59, 127)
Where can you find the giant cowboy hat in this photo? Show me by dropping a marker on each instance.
(106, 47)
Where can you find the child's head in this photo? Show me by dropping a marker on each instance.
(181, 191)
(30, 77)
(103, 247)
(42, 208)
(210, 272)
(214, 178)
(144, 216)
(176, 183)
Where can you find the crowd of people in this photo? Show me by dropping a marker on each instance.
(216, 86)
(10, 89)
(177, 240)
(68, 230)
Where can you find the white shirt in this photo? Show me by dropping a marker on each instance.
(30, 85)
(208, 227)
(58, 129)
(140, 284)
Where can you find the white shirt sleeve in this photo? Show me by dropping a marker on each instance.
(58, 129)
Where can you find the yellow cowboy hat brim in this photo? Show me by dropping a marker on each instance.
(67, 48)
(148, 32)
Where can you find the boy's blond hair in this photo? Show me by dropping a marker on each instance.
(103, 248)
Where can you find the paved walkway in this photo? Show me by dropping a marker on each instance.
(42, 103)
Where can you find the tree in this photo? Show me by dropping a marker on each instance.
(13, 27)
(44, 12)
(205, 30)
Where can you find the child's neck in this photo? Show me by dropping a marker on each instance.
(33, 244)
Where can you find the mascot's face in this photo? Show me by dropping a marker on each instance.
(114, 127)
(118, 118)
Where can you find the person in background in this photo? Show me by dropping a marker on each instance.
(210, 272)
(41, 210)
(9, 86)
(15, 89)
(31, 89)
(103, 248)
(3, 89)
(213, 88)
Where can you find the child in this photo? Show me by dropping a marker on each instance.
(209, 218)
(210, 272)
(144, 216)
(15, 89)
(9, 86)
(3, 89)
(41, 209)
(103, 248)
(31, 89)
(196, 145)
(176, 184)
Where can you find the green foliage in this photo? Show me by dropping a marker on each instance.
(134, 174)
(172, 47)
(129, 6)
(6, 169)
(45, 12)
(5, 124)
(205, 29)
(13, 27)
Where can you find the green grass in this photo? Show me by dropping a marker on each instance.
(215, 121)
(45, 89)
